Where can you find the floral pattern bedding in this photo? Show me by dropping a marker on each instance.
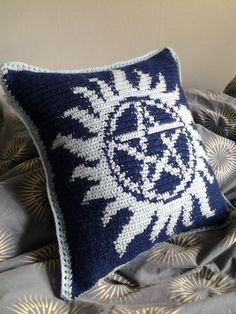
(191, 273)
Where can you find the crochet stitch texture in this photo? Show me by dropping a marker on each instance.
(125, 165)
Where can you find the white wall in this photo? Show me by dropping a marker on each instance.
(80, 33)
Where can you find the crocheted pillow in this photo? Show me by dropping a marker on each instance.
(124, 163)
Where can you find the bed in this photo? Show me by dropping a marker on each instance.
(191, 273)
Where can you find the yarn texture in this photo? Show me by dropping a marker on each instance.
(125, 165)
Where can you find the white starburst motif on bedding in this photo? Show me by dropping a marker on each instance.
(132, 153)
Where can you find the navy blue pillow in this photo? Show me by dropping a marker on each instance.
(125, 165)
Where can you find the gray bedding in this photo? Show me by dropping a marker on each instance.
(191, 273)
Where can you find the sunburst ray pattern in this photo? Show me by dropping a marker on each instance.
(33, 195)
(29, 165)
(12, 152)
(230, 88)
(200, 285)
(10, 115)
(230, 238)
(38, 305)
(222, 157)
(7, 245)
(178, 251)
(221, 121)
(116, 288)
(46, 257)
(44, 305)
(216, 95)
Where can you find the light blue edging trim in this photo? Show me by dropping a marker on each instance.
(66, 272)
(19, 66)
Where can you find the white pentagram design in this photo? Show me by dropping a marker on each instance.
(135, 151)
(146, 186)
